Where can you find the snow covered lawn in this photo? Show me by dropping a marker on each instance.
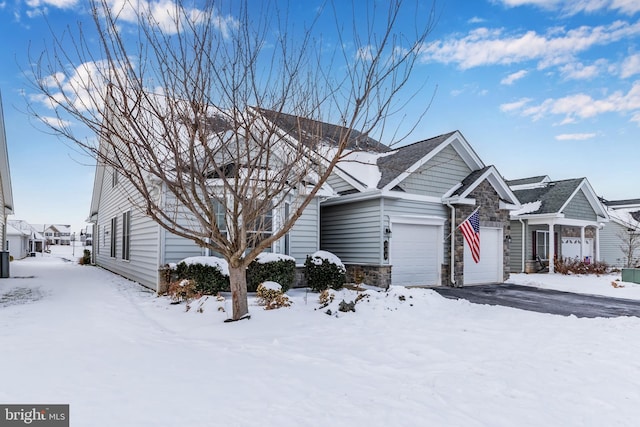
(120, 356)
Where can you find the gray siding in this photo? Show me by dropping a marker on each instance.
(142, 266)
(580, 208)
(338, 184)
(438, 175)
(610, 245)
(516, 246)
(304, 236)
(353, 231)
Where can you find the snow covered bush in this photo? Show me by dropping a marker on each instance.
(210, 274)
(271, 296)
(575, 266)
(324, 270)
(86, 258)
(271, 267)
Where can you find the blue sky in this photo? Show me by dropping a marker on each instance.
(538, 87)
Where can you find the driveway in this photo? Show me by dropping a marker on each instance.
(544, 300)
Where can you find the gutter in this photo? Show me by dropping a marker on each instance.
(522, 238)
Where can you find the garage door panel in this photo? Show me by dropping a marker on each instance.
(414, 254)
(489, 269)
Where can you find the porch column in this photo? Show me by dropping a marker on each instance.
(552, 252)
(597, 245)
(582, 244)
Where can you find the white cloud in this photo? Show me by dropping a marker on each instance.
(511, 78)
(579, 71)
(514, 106)
(575, 136)
(581, 106)
(60, 4)
(56, 122)
(365, 53)
(630, 66)
(475, 20)
(574, 7)
(484, 46)
(84, 87)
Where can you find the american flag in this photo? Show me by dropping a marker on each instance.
(471, 232)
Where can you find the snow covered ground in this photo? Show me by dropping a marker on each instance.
(120, 356)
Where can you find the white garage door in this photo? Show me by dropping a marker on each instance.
(414, 254)
(489, 269)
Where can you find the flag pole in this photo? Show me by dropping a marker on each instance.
(458, 226)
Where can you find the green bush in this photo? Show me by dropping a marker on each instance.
(209, 279)
(324, 270)
(273, 268)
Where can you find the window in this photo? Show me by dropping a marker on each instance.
(542, 244)
(256, 231)
(261, 229)
(114, 226)
(221, 216)
(114, 178)
(126, 234)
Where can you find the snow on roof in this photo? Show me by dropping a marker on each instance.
(624, 216)
(13, 231)
(527, 208)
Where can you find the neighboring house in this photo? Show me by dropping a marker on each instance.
(620, 238)
(6, 192)
(36, 240)
(558, 219)
(57, 234)
(17, 242)
(86, 236)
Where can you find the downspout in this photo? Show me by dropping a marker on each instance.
(523, 239)
(452, 244)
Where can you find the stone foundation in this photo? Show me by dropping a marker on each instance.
(374, 275)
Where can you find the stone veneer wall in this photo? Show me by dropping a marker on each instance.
(374, 275)
(490, 216)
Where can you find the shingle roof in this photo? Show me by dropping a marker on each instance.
(613, 203)
(552, 196)
(309, 132)
(403, 158)
(470, 180)
(525, 181)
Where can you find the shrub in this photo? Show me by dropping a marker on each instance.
(273, 268)
(183, 290)
(271, 296)
(574, 266)
(86, 257)
(324, 270)
(208, 273)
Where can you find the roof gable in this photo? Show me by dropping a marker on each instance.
(490, 174)
(406, 160)
(554, 196)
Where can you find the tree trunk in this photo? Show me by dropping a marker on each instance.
(238, 282)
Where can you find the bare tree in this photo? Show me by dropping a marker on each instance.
(629, 239)
(188, 111)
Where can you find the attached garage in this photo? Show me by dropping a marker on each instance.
(416, 253)
(490, 267)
